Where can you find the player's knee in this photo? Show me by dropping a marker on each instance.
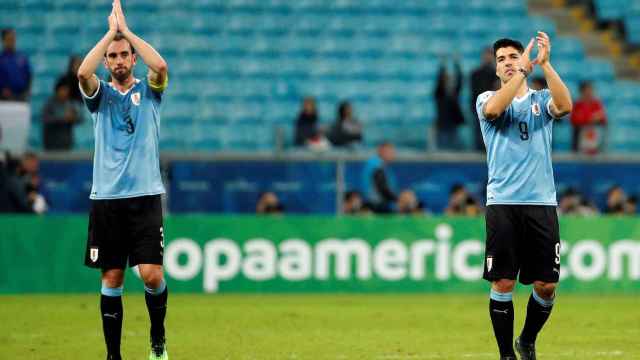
(545, 290)
(504, 285)
(152, 279)
(113, 278)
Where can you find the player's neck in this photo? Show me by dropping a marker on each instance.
(523, 90)
(125, 85)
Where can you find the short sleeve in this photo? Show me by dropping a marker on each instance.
(546, 100)
(93, 102)
(481, 101)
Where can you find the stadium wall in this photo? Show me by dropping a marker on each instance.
(205, 183)
(245, 254)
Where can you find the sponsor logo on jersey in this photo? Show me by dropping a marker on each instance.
(135, 99)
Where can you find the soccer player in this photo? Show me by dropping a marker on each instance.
(522, 225)
(125, 223)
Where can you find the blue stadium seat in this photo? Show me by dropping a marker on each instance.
(239, 67)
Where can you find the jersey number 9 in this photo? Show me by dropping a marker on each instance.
(524, 130)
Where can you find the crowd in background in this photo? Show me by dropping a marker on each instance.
(63, 109)
(19, 179)
(20, 185)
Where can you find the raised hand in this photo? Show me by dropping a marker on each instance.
(525, 61)
(544, 48)
(122, 23)
(113, 22)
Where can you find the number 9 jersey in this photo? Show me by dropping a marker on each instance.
(126, 126)
(518, 146)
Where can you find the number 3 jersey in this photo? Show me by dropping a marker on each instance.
(126, 126)
(518, 146)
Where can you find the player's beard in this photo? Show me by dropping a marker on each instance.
(121, 76)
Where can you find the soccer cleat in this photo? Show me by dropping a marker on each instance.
(526, 351)
(158, 350)
(114, 357)
(508, 358)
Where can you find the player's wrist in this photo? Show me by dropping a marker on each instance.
(522, 70)
(545, 65)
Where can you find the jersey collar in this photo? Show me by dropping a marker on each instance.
(520, 99)
(136, 81)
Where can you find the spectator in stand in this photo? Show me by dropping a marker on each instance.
(29, 176)
(378, 181)
(268, 203)
(573, 203)
(461, 202)
(59, 115)
(408, 204)
(70, 78)
(631, 206)
(15, 70)
(13, 197)
(616, 200)
(307, 131)
(588, 119)
(449, 114)
(353, 204)
(483, 78)
(346, 130)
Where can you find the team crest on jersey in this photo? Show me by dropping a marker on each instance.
(135, 99)
(93, 254)
(535, 108)
(489, 263)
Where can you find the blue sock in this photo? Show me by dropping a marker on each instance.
(157, 291)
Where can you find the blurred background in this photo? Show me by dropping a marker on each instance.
(294, 97)
(323, 109)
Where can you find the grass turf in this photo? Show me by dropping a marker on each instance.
(256, 327)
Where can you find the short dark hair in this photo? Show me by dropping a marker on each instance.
(6, 31)
(455, 188)
(351, 194)
(342, 109)
(505, 42)
(119, 37)
(584, 84)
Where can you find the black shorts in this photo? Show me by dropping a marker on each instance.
(122, 230)
(522, 239)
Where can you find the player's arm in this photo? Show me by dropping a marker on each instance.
(498, 103)
(560, 104)
(158, 68)
(86, 72)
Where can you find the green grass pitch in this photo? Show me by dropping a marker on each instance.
(341, 327)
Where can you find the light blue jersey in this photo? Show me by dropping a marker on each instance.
(126, 126)
(519, 150)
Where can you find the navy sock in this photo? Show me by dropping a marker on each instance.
(156, 300)
(538, 311)
(112, 313)
(501, 312)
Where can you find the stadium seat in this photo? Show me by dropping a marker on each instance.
(249, 62)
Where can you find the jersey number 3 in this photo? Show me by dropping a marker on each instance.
(130, 127)
(524, 130)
